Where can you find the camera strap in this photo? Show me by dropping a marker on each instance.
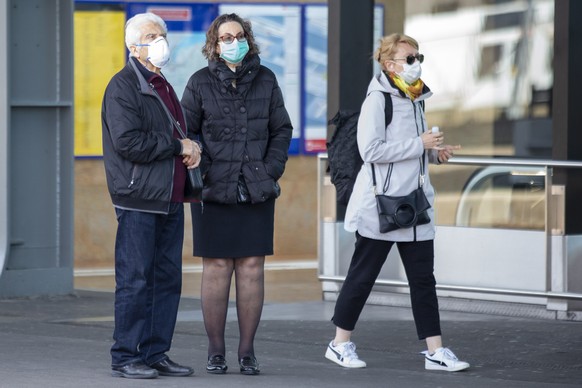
(389, 175)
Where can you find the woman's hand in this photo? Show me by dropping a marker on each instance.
(446, 152)
(432, 140)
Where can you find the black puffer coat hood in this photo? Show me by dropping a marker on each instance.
(244, 127)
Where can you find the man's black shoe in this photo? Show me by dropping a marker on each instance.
(168, 367)
(134, 370)
(249, 365)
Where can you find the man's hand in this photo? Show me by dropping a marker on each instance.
(191, 151)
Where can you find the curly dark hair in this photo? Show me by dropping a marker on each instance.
(209, 48)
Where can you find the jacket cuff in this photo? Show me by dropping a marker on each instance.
(177, 147)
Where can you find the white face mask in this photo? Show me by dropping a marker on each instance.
(158, 52)
(411, 73)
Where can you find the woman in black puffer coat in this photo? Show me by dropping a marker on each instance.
(236, 108)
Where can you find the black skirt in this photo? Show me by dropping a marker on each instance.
(230, 231)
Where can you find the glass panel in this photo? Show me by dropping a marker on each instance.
(489, 64)
(505, 197)
(504, 20)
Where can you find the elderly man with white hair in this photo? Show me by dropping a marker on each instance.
(147, 150)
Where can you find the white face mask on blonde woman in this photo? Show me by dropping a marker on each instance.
(411, 70)
(411, 73)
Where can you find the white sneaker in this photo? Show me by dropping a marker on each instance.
(443, 359)
(344, 354)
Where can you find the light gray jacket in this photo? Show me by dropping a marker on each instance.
(399, 143)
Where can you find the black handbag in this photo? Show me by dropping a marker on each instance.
(195, 183)
(401, 212)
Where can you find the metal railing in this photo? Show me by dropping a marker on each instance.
(548, 166)
(466, 160)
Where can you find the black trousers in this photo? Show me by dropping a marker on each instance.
(367, 261)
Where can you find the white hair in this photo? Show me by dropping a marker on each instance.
(132, 27)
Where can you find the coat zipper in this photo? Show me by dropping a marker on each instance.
(172, 134)
(132, 181)
(422, 177)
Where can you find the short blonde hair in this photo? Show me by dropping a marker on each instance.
(389, 46)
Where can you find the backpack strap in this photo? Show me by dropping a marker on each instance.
(387, 108)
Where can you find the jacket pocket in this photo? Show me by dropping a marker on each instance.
(261, 185)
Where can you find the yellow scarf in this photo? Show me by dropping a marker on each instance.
(412, 90)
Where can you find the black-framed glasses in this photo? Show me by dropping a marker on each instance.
(228, 39)
(411, 58)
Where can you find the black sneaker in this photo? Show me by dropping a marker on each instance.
(249, 365)
(216, 365)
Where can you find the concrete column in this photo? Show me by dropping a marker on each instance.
(350, 49)
(567, 115)
(351, 27)
(4, 125)
(567, 138)
(40, 135)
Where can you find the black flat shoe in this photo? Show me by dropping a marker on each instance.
(168, 367)
(134, 370)
(216, 365)
(249, 365)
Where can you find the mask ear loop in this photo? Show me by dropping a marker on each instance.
(136, 54)
(140, 45)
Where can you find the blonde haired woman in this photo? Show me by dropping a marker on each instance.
(398, 153)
